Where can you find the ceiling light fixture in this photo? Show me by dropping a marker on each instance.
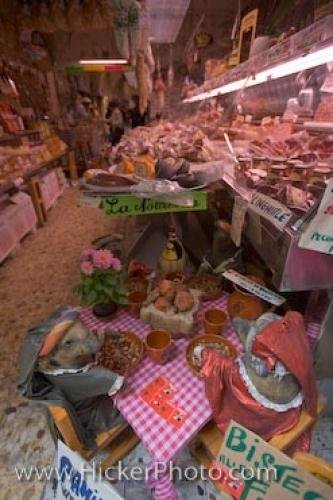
(301, 63)
(102, 61)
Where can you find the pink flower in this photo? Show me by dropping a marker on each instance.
(87, 268)
(116, 264)
(87, 254)
(102, 259)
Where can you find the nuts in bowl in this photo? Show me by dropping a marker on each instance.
(121, 352)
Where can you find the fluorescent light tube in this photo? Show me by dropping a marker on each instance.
(103, 61)
(301, 63)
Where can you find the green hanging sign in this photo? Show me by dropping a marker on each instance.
(74, 69)
(122, 205)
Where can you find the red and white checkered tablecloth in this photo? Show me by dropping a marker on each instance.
(162, 441)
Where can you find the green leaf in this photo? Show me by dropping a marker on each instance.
(122, 290)
(108, 291)
(111, 280)
(92, 297)
(119, 298)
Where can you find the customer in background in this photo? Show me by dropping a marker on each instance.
(137, 119)
(124, 107)
(82, 108)
(116, 119)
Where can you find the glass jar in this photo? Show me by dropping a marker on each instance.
(260, 162)
(243, 165)
(299, 172)
(277, 171)
(320, 174)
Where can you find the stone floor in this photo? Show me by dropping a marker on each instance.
(35, 281)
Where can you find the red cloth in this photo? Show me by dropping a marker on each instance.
(286, 341)
(230, 399)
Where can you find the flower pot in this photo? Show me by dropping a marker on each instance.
(105, 311)
(158, 344)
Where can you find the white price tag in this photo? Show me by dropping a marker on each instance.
(238, 218)
(253, 287)
(327, 86)
(319, 234)
(274, 211)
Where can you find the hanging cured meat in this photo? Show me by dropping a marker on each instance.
(74, 16)
(159, 88)
(105, 12)
(170, 76)
(141, 76)
(59, 15)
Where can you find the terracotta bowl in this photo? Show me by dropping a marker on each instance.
(211, 291)
(158, 344)
(244, 304)
(208, 339)
(133, 338)
(214, 321)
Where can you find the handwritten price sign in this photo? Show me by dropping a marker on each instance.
(319, 234)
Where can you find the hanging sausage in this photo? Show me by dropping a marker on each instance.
(171, 75)
(159, 87)
(141, 76)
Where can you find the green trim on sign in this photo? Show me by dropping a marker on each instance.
(122, 205)
(74, 69)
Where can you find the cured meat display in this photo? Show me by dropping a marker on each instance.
(175, 140)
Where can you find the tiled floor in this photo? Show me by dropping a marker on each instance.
(322, 439)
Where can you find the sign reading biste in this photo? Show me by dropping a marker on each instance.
(74, 483)
(250, 469)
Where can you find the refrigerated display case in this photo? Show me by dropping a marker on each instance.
(276, 144)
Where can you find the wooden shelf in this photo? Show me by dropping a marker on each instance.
(17, 136)
(10, 186)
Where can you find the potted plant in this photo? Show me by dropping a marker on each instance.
(102, 284)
